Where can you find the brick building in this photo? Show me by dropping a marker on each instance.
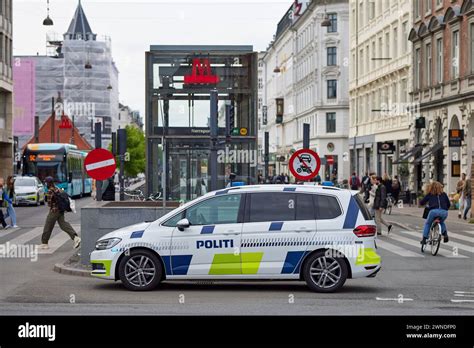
(443, 86)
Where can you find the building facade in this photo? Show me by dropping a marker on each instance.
(80, 69)
(306, 81)
(443, 86)
(380, 77)
(127, 117)
(6, 89)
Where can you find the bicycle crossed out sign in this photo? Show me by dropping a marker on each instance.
(305, 164)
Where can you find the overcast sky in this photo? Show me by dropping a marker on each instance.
(135, 25)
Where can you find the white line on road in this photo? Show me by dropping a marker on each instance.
(58, 240)
(416, 244)
(467, 248)
(464, 292)
(396, 249)
(401, 299)
(461, 301)
(26, 237)
(463, 295)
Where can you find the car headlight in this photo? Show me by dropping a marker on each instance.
(107, 243)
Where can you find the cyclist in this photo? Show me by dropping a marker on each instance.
(438, 205)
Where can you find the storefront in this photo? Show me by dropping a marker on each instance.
(179, 80)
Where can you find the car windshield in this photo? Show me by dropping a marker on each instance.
(25, 182)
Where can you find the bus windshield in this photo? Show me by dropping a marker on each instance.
(57, 170)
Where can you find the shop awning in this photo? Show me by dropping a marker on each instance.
(410, 153)
(427, 154)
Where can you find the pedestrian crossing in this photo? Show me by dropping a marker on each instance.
(32, 236)
(407, 244)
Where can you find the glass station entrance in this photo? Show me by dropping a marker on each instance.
(179, 82)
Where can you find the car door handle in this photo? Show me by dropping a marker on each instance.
(231, 233)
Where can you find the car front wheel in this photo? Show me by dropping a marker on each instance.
(140, 271)
(324, 272)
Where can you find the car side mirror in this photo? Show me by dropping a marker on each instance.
(182, 224)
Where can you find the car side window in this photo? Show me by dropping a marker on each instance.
(214, 211)
(327, 207)
(304, 207)
(174, 220)
(272, 206)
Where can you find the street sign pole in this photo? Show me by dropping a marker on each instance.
(305, 135)
(214, 138)
(122, 149)
(98, 145)
(266, 154)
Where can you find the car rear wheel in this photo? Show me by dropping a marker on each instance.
(140, 271)
(324, 272)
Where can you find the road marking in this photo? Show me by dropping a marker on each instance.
(401, 299)
(10, 231)
(469, 239)
(463, 295)
(58, 240)
(467, 248)
(417, 244)
(464, 292)
(26, 237)
(461, 301)
(396, 249)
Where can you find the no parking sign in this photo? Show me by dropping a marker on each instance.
(305, 164)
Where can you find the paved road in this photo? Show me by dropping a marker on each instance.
(410, 283)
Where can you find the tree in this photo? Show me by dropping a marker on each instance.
(135, 152)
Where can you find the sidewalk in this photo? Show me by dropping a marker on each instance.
(418, 212)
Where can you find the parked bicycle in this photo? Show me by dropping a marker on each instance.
(137, 195)
(434, 238)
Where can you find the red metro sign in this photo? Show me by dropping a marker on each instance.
(201, 73)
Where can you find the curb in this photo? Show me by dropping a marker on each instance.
(60, 268)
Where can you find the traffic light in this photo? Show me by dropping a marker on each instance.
(229, 120)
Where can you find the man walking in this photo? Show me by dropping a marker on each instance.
(380, 203)
(354, 182)
(55, 215)
(460, 192)
(467, 193)
(3, 199)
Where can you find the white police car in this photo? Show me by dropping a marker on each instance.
(322, 235)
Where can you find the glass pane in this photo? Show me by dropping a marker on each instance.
(214, 211)
(272, 207)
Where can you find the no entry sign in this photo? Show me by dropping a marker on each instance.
(305, 164)
(100, 164)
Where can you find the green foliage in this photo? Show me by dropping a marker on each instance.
(135, 152)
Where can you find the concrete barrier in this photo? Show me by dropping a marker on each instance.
(100, 218)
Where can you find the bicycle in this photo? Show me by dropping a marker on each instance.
(390, 204)
(434, 238)
(137, 195)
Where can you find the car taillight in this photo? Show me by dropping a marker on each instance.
(365, 231)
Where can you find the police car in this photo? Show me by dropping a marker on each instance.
(322, 235)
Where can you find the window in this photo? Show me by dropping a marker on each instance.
(331, 122)
(439, 60)
(455, 54)
(332, 55)
(417, 8)
(417, 71)
(471, 32)
(371, 9)
(395, 42)
(332, 89)
(272, 206)
(3, 110)
(215, 211)
(387, 45)
(363, 208)
(304, 207)
(428, 65)
(333, 19)
(260, 83)
(174, 220)
(427, 6)
(327, 207)
(405, 38)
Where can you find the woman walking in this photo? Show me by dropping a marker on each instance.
(3, 198)
(10, 192)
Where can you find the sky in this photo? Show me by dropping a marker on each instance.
(135, 25)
